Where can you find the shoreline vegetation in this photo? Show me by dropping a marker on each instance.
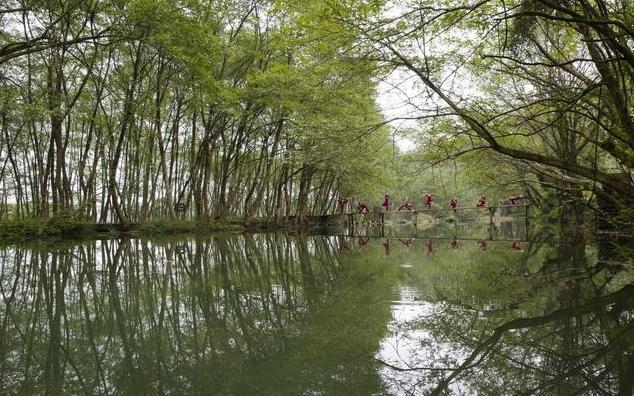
(62, 228)
(68, 228)
(72, 228)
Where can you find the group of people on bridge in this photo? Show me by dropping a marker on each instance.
(363, 208)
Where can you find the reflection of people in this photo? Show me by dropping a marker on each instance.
(363, 240)
(427, 199)
(407, 242)
(342, 202)
(482, 244)
(515, 200)
(386, 202)
(362, 207)
(430, 248)
(386, 245)
(453, 204)
(343, 246)
(454, 243)
(481, 202)
(407, 205)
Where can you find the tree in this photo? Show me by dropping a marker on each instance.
(127, 111)
(543, 82)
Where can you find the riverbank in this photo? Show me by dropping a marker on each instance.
(68, 228)
(72, 228)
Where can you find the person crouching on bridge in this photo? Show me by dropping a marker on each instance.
(453, 204)
(427, 200)
(362, 208)
(481, 202)
(405, 205)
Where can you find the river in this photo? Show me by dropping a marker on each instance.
(447, 310)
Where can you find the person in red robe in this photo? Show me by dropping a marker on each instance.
(343, 245)
(362, 208)
(430, 248)
(386, 202)
(515, 200)
(407, 242)
(481, 202)
(453, 204)
(427, 200)
(482, 244)
(405, 205)
(342, 202)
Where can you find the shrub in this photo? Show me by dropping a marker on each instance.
(58, 226)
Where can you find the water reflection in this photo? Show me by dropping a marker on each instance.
(436, 312)
(189, 316)
(551, 319)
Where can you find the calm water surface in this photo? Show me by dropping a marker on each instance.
(493, 311)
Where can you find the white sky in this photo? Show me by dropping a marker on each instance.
(394, 97)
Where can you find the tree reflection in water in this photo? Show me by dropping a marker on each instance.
(557, 319)
(259, 314)
(288, 315)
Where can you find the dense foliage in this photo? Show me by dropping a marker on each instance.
(131, 110)
(543, 88)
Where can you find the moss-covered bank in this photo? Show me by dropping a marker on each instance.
(73, 228)
(69, 228)
(43, 228)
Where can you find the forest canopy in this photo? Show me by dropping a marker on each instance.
(543, 85)
(125, 110)
(133, 109)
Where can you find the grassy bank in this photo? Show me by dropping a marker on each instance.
(44, 228)
(69, 228)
